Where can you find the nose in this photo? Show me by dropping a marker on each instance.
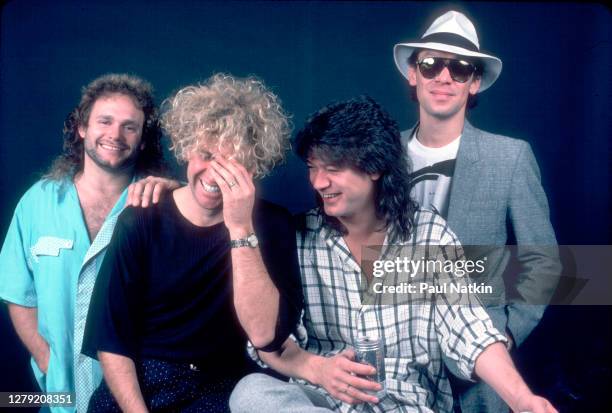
(444, 76)
(204, 167)
(199, 170)
(319, 179)
(114, 131)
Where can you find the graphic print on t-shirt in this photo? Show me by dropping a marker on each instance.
(433, 170)
(431, 185)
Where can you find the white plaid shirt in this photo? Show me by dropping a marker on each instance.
(419, 339)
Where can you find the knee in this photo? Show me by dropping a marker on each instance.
(244, 396)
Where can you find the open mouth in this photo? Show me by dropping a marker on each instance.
(110, 147)
(210, 188)
(329, 196)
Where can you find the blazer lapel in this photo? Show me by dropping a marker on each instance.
(465, 178)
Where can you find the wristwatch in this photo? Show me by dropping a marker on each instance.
(249, 241)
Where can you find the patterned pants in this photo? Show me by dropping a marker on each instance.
(171, 387)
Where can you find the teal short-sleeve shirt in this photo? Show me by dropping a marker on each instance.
(47, 261)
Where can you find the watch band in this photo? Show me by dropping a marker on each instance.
(249, 241)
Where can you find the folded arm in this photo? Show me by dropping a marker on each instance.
(251, 281)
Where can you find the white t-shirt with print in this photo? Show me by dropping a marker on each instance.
(433, 170)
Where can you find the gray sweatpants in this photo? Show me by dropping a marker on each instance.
(260, 393)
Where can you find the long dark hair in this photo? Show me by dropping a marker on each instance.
(150, 160)
(359, 133)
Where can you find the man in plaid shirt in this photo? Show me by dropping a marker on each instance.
(360, 175)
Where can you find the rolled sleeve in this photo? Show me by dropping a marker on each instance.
(481, 334)
(464, 327)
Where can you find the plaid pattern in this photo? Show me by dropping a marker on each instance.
(419, 339)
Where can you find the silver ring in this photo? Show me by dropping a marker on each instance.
(233, 184)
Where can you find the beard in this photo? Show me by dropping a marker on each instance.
(123, 165)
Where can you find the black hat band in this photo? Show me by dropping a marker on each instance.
(450, 39)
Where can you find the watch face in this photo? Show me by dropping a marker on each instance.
(253, 241)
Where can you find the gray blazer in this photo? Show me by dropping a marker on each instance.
(497, 183)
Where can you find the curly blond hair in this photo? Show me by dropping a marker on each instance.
(227, 112)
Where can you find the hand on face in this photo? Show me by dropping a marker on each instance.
(238, 192)
(339, 375)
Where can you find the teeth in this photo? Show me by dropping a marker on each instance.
(328, 196)
(110, 147)
(210, 188)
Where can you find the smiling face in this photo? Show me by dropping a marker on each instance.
(346, 192)
(441, 97)
(205, 191)
(112, 138)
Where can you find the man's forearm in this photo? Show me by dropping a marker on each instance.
(121, 378)
(255, 296)
(495, 367)
(340, 375)
(25, 320)
(292, 361)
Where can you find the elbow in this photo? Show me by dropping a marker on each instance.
(104, 358)
(262, 339)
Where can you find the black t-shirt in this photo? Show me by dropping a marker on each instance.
(164, 290)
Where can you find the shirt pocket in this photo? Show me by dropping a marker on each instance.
(49, 246)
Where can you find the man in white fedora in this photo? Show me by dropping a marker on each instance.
(486, 186)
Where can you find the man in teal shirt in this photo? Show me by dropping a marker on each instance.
(62, 225)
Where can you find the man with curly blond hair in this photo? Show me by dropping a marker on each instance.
(182, 285)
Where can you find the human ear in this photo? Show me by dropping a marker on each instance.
(474, 86)
(412, 75)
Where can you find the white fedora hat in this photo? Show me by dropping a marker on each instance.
(453, 33)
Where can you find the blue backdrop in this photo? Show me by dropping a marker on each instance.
(554, 92)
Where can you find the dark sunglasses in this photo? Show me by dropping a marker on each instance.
(460, 70)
